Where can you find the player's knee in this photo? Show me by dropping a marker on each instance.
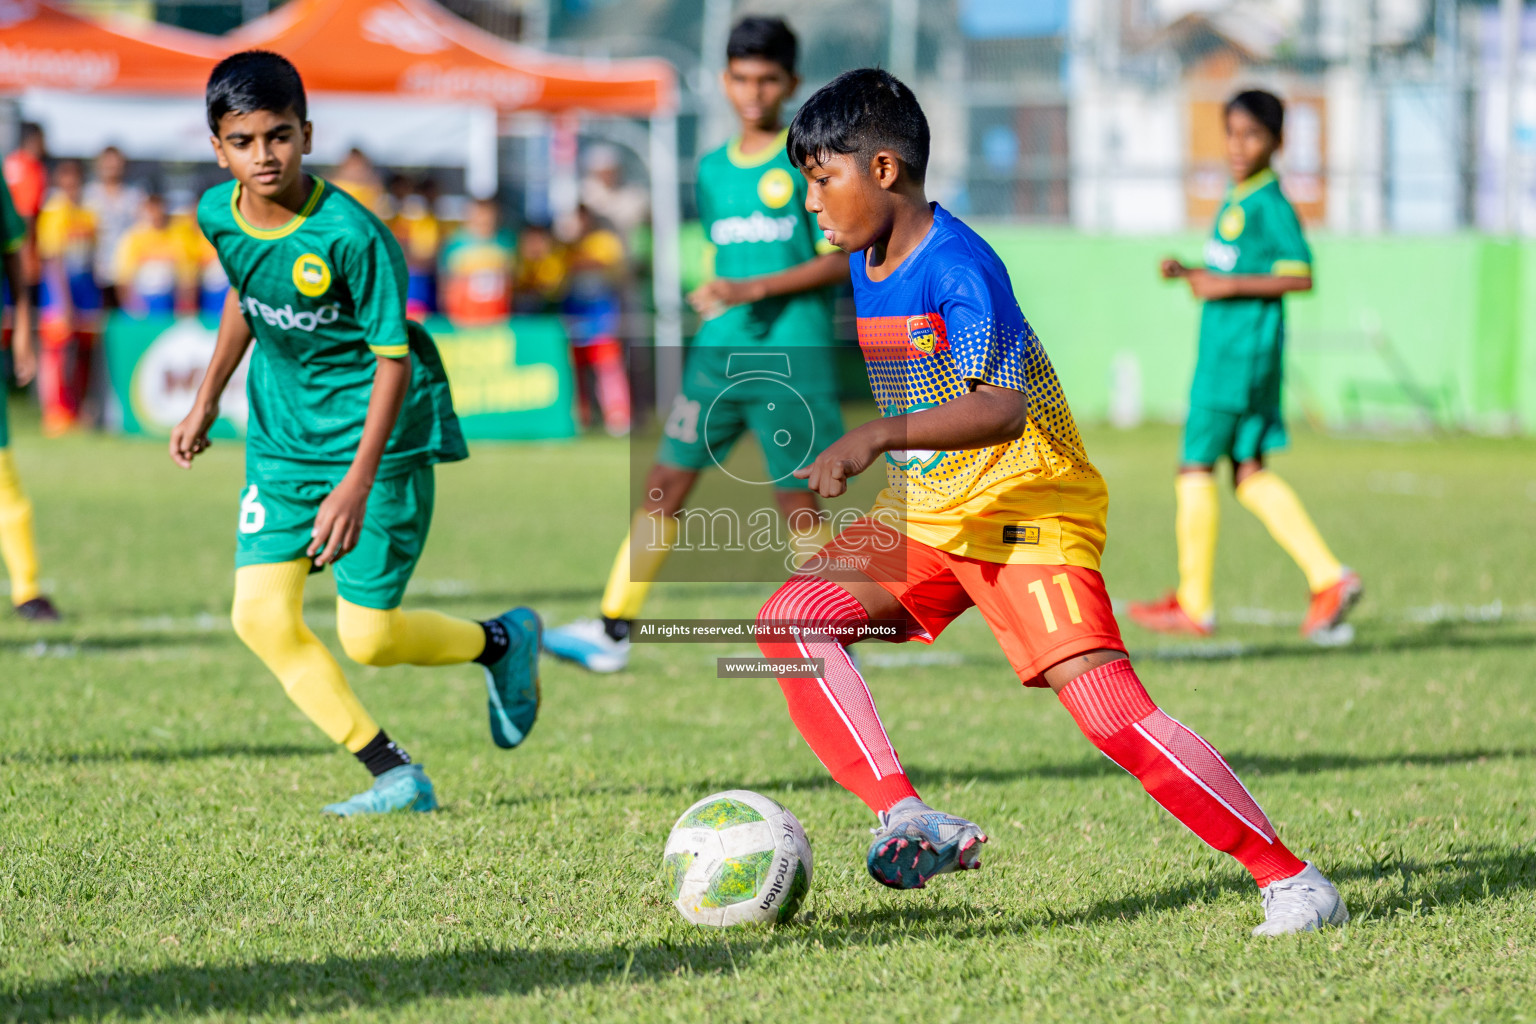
(367, 634)
(263, 623)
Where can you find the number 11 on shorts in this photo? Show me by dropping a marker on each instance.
(1062, 580)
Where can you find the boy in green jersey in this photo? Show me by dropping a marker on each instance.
(1256, 255)
(18, 548)
(349, 412)
(772, 293)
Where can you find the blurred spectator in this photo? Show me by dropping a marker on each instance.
(355, 176)
(476, 268)
(594, 282)
(27, 176)
(116, 205)
(604, 192)
(540, 274)
(421, 236)
(70, 306)
(396, 192)
(156, 265)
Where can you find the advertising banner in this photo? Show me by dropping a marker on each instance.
(510, 381)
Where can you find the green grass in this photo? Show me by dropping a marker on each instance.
(162, 855)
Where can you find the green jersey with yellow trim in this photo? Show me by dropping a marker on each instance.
(324, 295)
(13, 230)
(1242, 340)
(752, 207)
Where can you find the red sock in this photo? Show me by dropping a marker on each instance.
(1179, 769)
(835, 713)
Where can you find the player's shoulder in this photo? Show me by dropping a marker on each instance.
(214, 207)
(957, 251)
(345, 222)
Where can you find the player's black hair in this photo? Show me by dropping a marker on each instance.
(768, 38)
(1265, 108)
(253, 80)
(861, 112)
(28, 130)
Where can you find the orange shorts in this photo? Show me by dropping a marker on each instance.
(1041, 614)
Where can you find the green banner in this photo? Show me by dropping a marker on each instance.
(510, 381)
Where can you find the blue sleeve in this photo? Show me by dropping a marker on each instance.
(986, 332)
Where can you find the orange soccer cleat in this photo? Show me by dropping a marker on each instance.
(1168, 616)
(1331, 604)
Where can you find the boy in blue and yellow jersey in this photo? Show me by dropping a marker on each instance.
(991, 501)
(349, 413)
(772, 292)
(18, 547)
(1255, 257)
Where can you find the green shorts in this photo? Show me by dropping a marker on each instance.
(276, 517)
(791, 428)
(1210, 434)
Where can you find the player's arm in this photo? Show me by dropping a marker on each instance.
(824, 271)
(339, 522)
(1206, 285)
(987, 415)
(23, 354)
(189, 438)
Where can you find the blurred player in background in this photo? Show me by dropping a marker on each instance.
(70, 302)
(592, 301)
(991, 501)
(540, 271)
(1255, 257)
(420, 234)
(27, 177)
(18, 546)
(773, 290)
(349, 413)
(156, 265)
(476, 267)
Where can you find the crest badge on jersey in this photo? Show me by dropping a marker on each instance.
(776, 188)
(921, 334)
(311, 276)
(1231, 223)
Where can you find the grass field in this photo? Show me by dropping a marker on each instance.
(162, 855)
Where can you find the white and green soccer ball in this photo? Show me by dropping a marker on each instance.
(737, 858)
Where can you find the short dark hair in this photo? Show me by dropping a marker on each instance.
(1265, 108)
(861, 112)
(768, 38)
(253, 80)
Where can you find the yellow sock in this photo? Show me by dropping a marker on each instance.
(640, 559)
(1272, 500)
(269, 616)
(18, 547)
(1195, 525)
(395, 637)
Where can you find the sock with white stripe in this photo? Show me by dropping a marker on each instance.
(835, 713)
(1179, 769)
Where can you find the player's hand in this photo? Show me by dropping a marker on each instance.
(1171, 269)
(1206, 285)
(843, 460)
(189, 438)
(715, 297)
(23, 352)
(339, 522)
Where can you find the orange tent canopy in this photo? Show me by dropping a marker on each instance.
(416, 48)
(44, 47)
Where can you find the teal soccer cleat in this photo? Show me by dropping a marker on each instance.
(512, 683)
(405, 788)
(915, 842)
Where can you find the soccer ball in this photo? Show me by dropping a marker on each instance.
(737, 858)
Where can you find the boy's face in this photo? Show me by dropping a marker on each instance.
(155, 213)
(851, 200)
(482, 220)
(67, 177)
(263, 150)
(1250, 146)
(757, 89)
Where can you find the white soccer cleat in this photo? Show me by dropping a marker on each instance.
(1305, 902)
(588, 644)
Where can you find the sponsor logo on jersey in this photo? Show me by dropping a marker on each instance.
(759, 227)
(1231, 223)
(311, 276)
(921, 334)
(775, 187)
(1219, 256)
(1021, 535)
(287, 319)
